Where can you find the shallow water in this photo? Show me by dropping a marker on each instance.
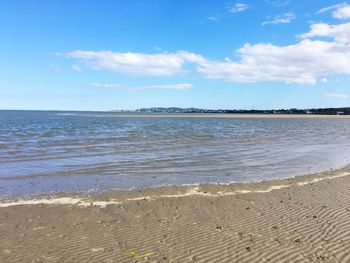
(44, 152)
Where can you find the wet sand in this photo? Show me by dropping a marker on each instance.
(302, 219)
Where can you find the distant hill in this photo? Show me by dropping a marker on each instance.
(320, 111)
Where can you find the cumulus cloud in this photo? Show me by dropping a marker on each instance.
(304, 62)
(301, 63)
(139, 64)
(340, 11)
(337, 95)
(177, 86)
(340, 33)
(281, 19)
(238, 7)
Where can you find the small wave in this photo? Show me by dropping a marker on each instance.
(67, 114)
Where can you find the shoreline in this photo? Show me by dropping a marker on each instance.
(120, 196)
(113, 113)
(299, 219)
(215, 115)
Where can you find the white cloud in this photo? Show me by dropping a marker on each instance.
(281, 19)
(177, 86)
(301, 63)
(238, 7)
(139, 64)
(337, 95)
(340, 33)
(304, 62)
(329, 8)
(324, 80)
(340, 11)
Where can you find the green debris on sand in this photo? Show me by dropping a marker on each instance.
(133, 254)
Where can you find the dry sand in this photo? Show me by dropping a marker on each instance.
(303, 219)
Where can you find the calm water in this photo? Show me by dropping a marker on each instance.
(58, 151)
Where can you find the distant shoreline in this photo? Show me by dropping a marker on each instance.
(136, 114)
(194, 111)
(225, 115)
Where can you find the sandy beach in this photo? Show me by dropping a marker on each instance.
(302, 219)
(175, 131)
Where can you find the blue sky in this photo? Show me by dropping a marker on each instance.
(105, 55)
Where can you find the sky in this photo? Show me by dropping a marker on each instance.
(108, 55)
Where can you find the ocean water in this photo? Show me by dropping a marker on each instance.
(44, 152)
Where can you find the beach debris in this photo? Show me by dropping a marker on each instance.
(133, 254)
(297, 240)
(176, 216)
(277, 240)
(218, 228)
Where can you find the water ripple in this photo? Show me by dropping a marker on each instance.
(48, 151)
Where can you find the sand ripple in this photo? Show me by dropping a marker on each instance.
(298, 220)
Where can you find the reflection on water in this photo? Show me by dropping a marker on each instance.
(64, 151)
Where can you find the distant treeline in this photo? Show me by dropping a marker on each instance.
(321, 111)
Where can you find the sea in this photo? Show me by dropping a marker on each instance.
(44, 152)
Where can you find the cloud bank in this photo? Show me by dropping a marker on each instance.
(304, 62)
(178, 86)
(138, 64)
(300, 63)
